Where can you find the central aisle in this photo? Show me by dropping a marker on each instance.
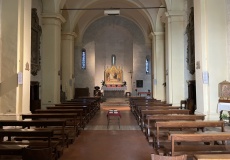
(97, 142)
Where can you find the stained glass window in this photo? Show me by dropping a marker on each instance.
(113, 60)
(147, 65)
(83, 59)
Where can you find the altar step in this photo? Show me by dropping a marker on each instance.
(115, 102)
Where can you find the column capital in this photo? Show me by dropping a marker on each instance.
(154, 34)
(173, 16)
(69, 34)
(48, 18)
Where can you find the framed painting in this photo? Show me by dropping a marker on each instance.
(139, 83)
(113, 75)
(224, 90)
(35, 43)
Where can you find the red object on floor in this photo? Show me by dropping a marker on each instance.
(113, 113)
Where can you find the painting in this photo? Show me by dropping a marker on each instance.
(224, 90)
(35, 43)
(191, 44)
(113, 75)
(139, 83)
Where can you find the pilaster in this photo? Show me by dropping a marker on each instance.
(174, 22)
(210, 54)
(158, 68)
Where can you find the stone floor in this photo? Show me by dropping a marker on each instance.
(97, 142)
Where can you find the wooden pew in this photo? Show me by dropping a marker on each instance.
(94, 100)
(145, 113)
(197, 147)
(136, 106)
(211, 156)
(150, 121)
(78, 111)
(37, 124)
(72, 117)
(92, 107)
(46, 133)
(164, 127)
(85, 114)
(11, 151)
(149, 108)
(134, 100)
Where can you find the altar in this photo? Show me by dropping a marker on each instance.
(115, 92)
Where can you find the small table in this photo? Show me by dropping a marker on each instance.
(223, 107)
(113, 113)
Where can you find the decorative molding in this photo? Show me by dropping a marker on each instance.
(159, 33)
(70, 34)
(36, 32)
(151, 35)
(154, 34)
(176, 13)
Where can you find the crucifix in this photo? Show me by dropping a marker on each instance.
(131, 75)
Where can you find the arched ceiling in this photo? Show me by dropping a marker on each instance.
(78, 20)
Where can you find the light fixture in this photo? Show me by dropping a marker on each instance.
(113, 12)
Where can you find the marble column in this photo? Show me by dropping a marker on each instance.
(50, 58)
(67, 61)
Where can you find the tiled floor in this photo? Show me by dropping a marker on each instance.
(97, 142)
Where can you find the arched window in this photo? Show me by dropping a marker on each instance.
(147, 64)
(83, 59)
(113, 60)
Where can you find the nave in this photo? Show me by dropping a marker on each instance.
(99, 143)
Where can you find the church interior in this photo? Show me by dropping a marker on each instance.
(133, 73)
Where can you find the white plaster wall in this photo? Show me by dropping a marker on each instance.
(105, 37)
(0, 39)
(210, 42)
(9, 23)
(217, 64)
(228, 36)
(85, 78)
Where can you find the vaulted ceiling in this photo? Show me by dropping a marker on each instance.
(81, 13)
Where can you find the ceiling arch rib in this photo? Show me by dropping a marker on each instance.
(80, 19)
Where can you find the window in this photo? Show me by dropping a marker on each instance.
(83, 59)
(147, 65)
(113, 60)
